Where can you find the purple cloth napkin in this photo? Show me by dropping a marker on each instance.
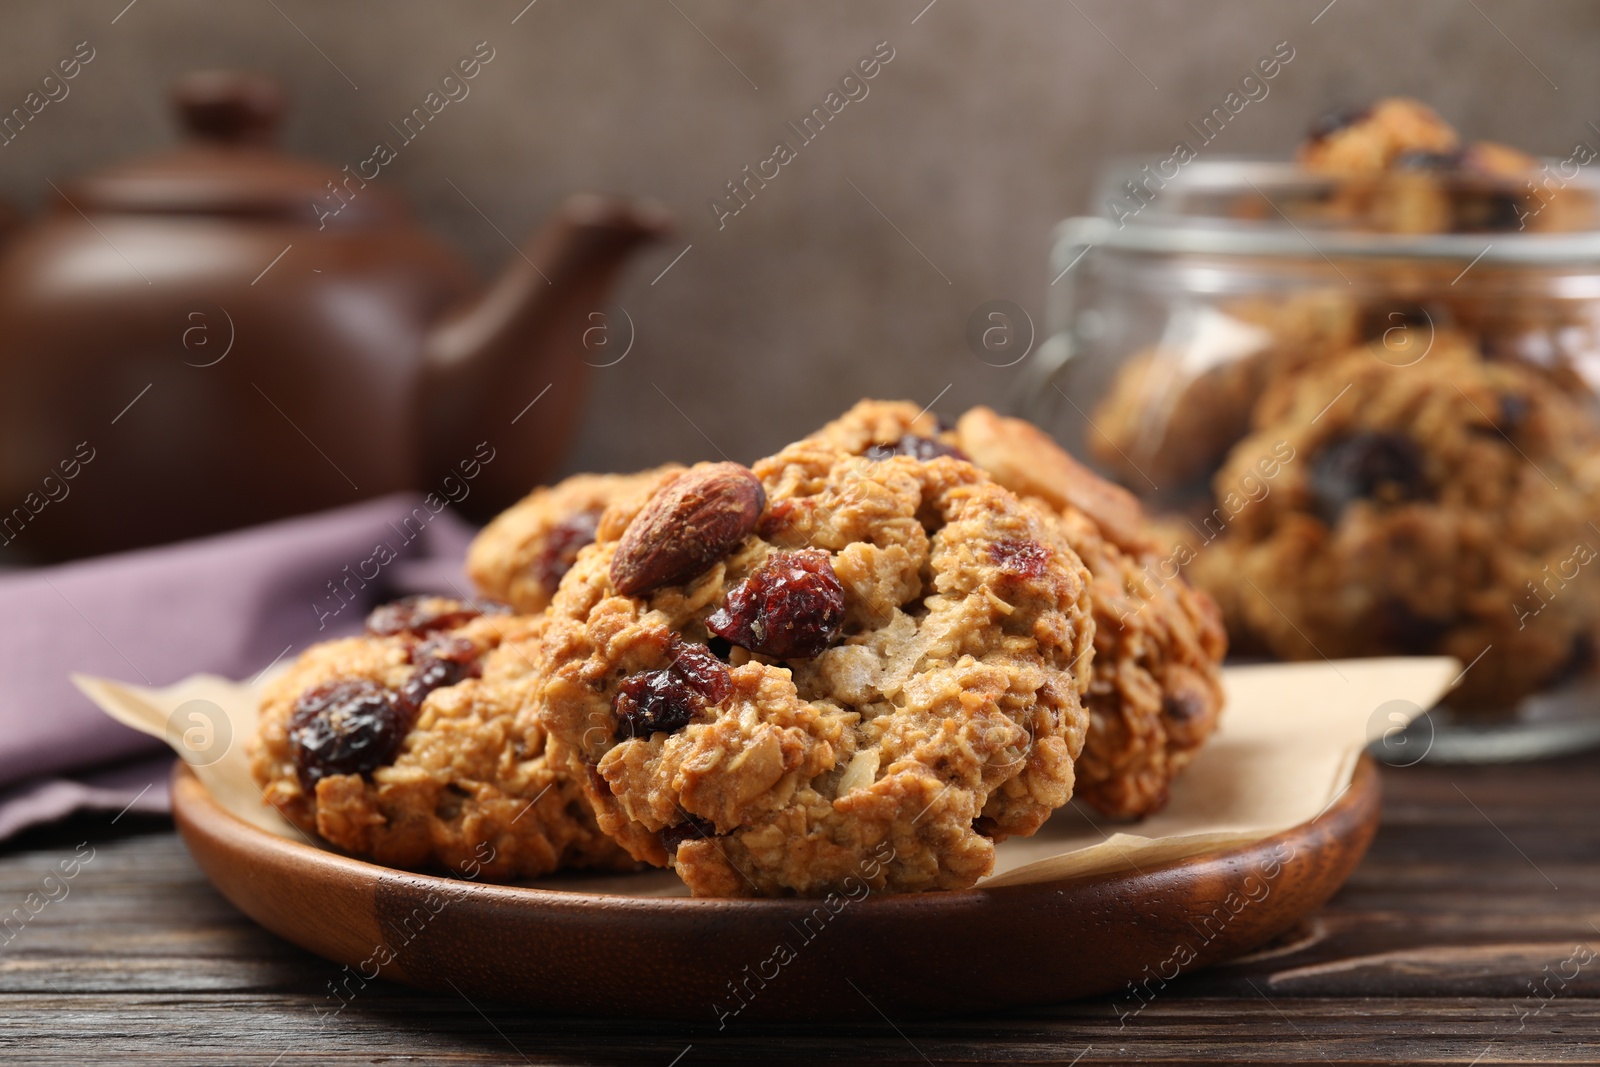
(231, 605)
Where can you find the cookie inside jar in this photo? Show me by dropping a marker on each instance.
(1359, 390)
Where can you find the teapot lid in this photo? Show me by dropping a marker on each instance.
(228, 166)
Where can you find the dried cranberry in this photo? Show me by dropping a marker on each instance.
(1332, 122)
(777, 518)
(792, 606)
(690, 829)
(350, 726)
(1020, 559)
(441, 660)
(666, 700)
(562, 545)
(923, 448)
(419, 614)
(1381, 466)
(702, 670)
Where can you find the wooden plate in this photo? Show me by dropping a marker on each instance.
(712, 961)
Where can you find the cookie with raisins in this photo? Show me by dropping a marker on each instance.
(1446, 507)
(878, 675)
(1386, 134)
(416, 745)
(1156, 693)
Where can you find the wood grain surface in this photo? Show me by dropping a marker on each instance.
(1468, 935)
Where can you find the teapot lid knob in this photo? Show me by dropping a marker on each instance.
(231, 107)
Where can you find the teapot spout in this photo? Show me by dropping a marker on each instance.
(526, 339)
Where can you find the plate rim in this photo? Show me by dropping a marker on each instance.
(194, 806)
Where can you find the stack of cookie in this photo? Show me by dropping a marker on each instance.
(1407, 460)
(870, 657)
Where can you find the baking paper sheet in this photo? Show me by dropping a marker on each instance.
(1290, 737)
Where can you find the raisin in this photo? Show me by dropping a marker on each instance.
(445, 647)
(1400, 629)
(351, 726)
(1513, 412)
(1386, 467)
(923, 448)
(791, 606)
(562, 545)
(654, 702)
(666, 700)
(419, 614)
(441, 660)
(1020, 559)
(1183, 705)
(1333, 121)
(690, 829)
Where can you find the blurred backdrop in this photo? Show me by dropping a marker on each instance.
(854, 271)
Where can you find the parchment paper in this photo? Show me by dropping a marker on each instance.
(1289, 740)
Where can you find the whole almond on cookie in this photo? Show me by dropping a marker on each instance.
(691, 522)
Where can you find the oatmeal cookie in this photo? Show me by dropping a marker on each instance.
(1159, 643)
(519, 558)
(1444, 507)
(1163, 424)
(1405, 170)
(833, 671)
(1156, 693)
(416, 745)
(1372, 139)
(1175, 409)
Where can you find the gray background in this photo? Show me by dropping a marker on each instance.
(983, 131)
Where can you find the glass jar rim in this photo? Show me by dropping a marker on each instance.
(1077, 234)
(1160, 230)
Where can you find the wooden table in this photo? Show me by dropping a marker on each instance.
(1471, 934)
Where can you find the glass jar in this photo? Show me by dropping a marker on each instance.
(1362, 435)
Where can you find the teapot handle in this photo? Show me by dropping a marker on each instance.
(229, 106)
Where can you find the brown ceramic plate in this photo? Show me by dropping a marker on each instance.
(714, 960)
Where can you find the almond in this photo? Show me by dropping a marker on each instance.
(692, 521)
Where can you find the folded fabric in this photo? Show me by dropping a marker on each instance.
(233, 605)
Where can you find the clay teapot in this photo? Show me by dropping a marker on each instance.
(222, 335)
